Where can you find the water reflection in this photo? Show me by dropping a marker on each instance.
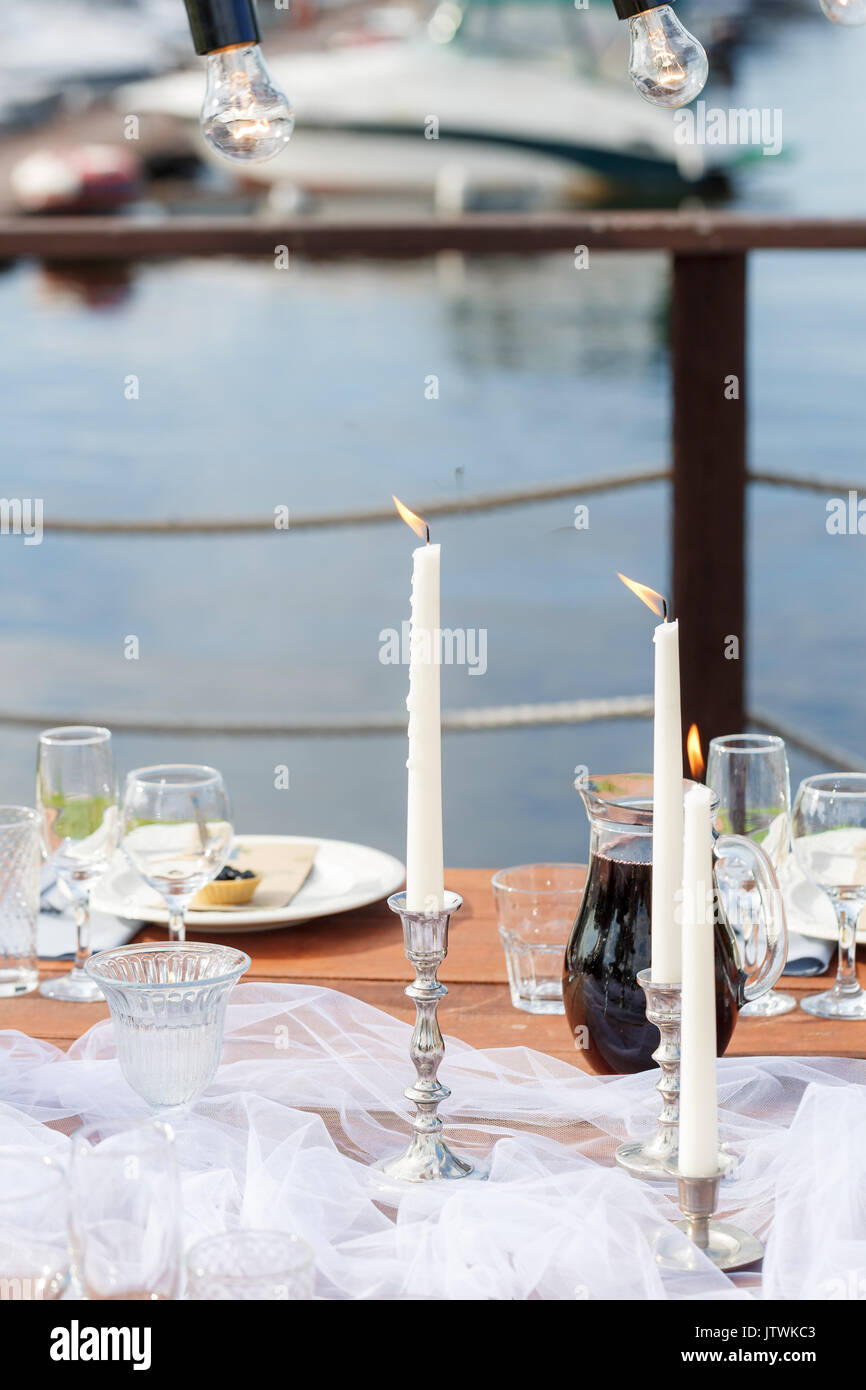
(85, 285)
(309, 390)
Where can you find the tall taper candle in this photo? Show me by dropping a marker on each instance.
(425, 876)
(667, 807)
(699, 1126)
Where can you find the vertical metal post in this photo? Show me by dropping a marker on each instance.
(708, 355)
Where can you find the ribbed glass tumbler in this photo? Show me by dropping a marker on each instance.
(168, 1005)
(20, 830)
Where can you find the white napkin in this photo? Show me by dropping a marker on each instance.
(55, 930)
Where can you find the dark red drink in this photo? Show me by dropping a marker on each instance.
(610, 943)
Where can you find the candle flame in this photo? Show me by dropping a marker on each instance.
(696, 757)
(657, 602)
(418, 524)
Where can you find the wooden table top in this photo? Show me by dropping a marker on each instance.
(361, 953)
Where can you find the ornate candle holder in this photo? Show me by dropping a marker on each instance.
(727, 1246)
(428, 1158)
(651, 1160)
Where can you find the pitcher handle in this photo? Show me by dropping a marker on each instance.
(772, 911)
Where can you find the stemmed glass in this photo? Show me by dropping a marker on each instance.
(76, 796)
(749, 774)
(176, 832)
(830, 844)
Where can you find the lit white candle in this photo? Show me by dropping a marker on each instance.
(425, 875)
(666, 943)
(667, 807)
(699, 1127)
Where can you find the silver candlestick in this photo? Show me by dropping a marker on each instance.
(428, 1158)
(727, 1246)
(651, 1160)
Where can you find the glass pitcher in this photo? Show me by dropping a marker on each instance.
(610, 940)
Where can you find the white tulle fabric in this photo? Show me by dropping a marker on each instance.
(310, 1094)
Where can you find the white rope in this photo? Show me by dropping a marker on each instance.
(837, 758)
(457, 721)
(525, 716)
(373, 516)
(559, 712)
(825, 487)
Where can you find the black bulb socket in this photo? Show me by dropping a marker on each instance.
(216, 24)
(627, 9)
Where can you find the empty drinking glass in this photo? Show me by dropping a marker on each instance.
(34, 1244)
(19, 899)
(176, 832)
(830, 845)
(76, 793)
(536, 905)
(749, 774)
(126, 1211)
(245, 1265)
(168, 1005)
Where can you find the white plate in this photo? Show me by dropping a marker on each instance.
(343, 876)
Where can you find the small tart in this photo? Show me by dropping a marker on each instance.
(226, 892)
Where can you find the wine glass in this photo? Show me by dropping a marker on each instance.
(830, 844)
(34, 1244)
(749, 774)
(176, 832)
(126, 1211)
(76, 796)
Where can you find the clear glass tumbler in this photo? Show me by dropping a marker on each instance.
(126, 1211)
(536, 905)
(19, 899)
(269, 1266)
(168, 1005)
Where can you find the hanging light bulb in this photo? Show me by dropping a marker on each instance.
(245, 117)
(848, 12)
(667, 66)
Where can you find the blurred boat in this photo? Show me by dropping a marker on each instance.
(470, 106)
(54, 45)
(26, 102)
(82, 178)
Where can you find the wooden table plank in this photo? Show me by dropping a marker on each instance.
(368, 944)
(361, 954)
